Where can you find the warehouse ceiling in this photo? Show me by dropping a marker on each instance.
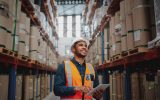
(70, 7)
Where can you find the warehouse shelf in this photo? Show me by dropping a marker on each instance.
(104, 22)
(20, 63)
(54, 7)
(46, 10)
(152, 54)
(113, 7)
(28, 7)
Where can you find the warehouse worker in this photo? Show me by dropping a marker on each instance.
(75, 78)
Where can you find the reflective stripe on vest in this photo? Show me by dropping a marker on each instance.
(91, 70)
(73, 78)
(69, 73)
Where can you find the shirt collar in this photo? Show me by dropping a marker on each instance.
(76, 62)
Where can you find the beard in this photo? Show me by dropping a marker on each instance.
(78, 54)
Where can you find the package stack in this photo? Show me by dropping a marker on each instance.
(15, 30)
(106, 44)
(48, 84)
(117, 29)
(24, 33)
(157, 6)
(89, 55)
(36, 87)
(34, 43)
(147, 87)
(28, 89)
(4, 81)
(152, 19)
(141, 22)
(129, 23)
(123, 27)
(43, 86)
(158, 85)
(116, 86)
(111, 86)
(99, 49)
(97, 18)
(94, 53)
(19, 87)
(112, 41)
(135, 86)
(7, 22)
(42, 51)
(92, 8)
(119, 86)
(154, 12)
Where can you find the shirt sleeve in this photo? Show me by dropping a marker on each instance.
(96, 81)
(60, 88)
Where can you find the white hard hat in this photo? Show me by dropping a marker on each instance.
(79, 39)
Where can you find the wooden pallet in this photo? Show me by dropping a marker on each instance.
(124, 53)
(116, 57)
(24, 58)
(138, 50)
(7, 51)
(35, 62)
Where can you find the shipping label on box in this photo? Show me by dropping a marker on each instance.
(137, 35)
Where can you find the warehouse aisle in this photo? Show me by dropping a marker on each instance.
(52, 97)
(37, 35)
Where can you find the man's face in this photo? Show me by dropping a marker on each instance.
(80, 49)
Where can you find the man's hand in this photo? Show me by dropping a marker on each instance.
(84, 89)
(98, 94)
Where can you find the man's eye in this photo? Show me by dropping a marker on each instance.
(80, 44)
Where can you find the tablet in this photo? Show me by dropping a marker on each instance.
(99, 87)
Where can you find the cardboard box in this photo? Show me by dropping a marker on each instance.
(130, 40)
(135, 86)
(128, 6)
(141, 37)
(122, 10)
(18, 87)
(123, 27)
(118, 47)
(28, 87)
(3, 34)
(124, 43)
(141, 19)
(21, 48)
(4, 81)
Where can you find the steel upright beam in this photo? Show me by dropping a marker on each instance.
(12, 83)
(105, 73)
(127, 84)
(102, 45)
(51, 80)
(37, 76)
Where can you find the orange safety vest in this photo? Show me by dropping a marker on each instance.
(73, 78)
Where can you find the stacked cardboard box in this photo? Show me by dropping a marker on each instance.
(4, 81)
(141, 22)
(28, 87)
(18, 87)
(123, 27)
(34, 43)
(24, 33)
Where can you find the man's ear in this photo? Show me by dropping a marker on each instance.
(73, 49)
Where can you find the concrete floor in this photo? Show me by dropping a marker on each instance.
(52, 97)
